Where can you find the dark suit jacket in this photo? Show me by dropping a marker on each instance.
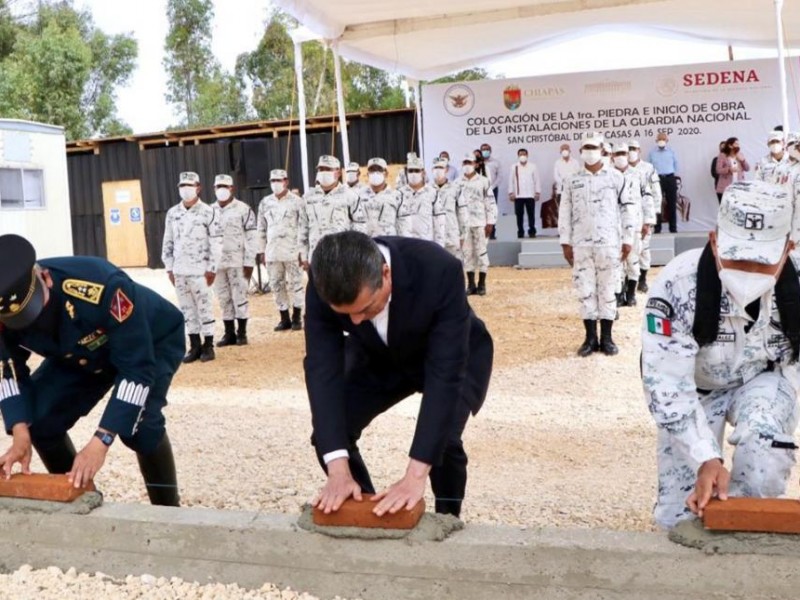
(435, 341)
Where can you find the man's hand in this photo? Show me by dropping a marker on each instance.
(248, 273)
(210, 277)
(536, 197)
(304, 264)
(626, 249)
(340, 487)
(712, 480)
(171, 276)
(488, 230)
(406, 492)
(645, 230)
(512, 197)
(20, 451)
(568, 256)
(87, 463)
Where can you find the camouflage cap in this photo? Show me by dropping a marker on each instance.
(754, 222)
(619, 147)
(328, 161)
(223, 180)
(415, 163)
(278, 175)
(775, 136)
(377, 162)
(440, 163)
(189, 178)
(353, 166)
(468, 157)
(634, 144)
(592, 138)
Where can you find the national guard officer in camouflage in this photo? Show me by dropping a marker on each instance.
(650, 176)
(644, 216)
(766, 167)
(190, 252)
(97, 331)
(278, 223)
(329, 207)
(353, 177)
(453, 205)
(380, 202)
(237, 259)
(720, 342)
(417, 214)
(475, 193)
(595, 228)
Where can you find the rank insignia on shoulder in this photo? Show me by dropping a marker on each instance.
(83, 290)
(659, 325)
(121, 306)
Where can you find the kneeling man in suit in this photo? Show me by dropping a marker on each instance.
(388, 317)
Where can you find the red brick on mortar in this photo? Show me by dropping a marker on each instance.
(41, 486)
(765, 515)
(359, 514)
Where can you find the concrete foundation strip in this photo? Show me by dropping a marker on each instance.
(480, 562)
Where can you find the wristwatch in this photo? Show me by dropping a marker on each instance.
(105, 437)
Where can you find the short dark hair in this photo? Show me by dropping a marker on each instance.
(525, 150)
(343, 263)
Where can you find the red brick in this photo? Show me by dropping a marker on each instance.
(359, 514)
(41, 486)
(767, 515)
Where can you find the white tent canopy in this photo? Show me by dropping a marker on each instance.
(424, 40)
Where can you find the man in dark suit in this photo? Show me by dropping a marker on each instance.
(409, 329)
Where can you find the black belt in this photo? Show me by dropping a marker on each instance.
(668, 175)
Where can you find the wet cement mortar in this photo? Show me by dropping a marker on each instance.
(82, 505)
(692, 534)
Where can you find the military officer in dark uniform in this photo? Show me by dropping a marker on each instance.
(97, 331)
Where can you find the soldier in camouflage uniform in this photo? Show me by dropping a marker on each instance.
(475, 194)
(720, 341)
(595, 228)
(379, 200)
(644, 216)
(766, 167)
(278, 223)
(453, 205)
(239, 247)
(329, 207)
(650, 176)
(190, 253)
(353, 178)
(417, 215)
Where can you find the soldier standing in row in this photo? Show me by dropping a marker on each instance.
(380, 201)
(417, 215)
(450, 202)
(190, 252)
(329, 207)
(649, 175)
(236, 262)
(595, 228)
(765, 168)
(278, 224)
(475, 193)
(353, 177)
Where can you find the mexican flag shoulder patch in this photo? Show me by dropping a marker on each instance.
(659, 325)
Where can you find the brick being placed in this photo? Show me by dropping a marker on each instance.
(762, 515)
(42, 486)
(359, 514)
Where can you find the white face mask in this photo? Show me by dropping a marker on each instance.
(565, 154)
(415, 178)
(326, 178)
(277, 187)
(776, 148)
(591, 157)
(188, 193)
(439, 175)
(376, 179)
(745, 287)
(634, 155)
(222, 194)
(661, 143)
(352, 177)
(620, 162)
(523, 158)
(468, 169)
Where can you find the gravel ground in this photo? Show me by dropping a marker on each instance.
(561, 441)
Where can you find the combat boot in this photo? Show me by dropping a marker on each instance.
(285, 323)
(229, 338)
(590, 343)
(297, 319)
(194, 348)
(158, 471)
(642, 287)
(481, 289)
(207, 351)
(471, 289)
(620, 298)
(607, 345)
(630, 292)
(241, 334)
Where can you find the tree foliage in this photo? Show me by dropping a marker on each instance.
(474, 74)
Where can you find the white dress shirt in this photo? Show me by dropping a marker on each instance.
(523, 181)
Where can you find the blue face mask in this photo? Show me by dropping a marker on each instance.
(486, 153)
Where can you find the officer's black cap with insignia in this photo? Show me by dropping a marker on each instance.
(21, 291)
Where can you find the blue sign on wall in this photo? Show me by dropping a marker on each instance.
(136, 214)
(116, 216)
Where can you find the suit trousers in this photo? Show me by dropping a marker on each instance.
(669, 190)
(521, 207)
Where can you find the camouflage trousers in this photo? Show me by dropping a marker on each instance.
(476, 253)
(231, 289)
(286, 278)
(595, 277)
(455, 250)
(761, 411)
(632, 263)
(194, 299)
(644, 253)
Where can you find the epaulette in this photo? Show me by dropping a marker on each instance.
(87, 291)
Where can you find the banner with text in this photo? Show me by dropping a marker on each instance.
(696, 105)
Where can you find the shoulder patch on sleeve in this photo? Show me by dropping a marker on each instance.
(87, 291)
(661, 306)
(659, 325)
(121, 306)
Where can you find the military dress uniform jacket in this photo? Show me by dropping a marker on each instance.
(108, 327)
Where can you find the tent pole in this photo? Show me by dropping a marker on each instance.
(301, 103)
(782, 65)
(418, 106)
(337, 69)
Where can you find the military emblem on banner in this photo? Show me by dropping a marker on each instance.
(459, 100)
(512, 97)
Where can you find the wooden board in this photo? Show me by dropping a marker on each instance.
(764, 515)
(42, 486)
(359, 514)
(123, 217)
